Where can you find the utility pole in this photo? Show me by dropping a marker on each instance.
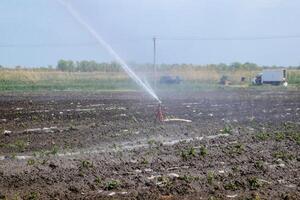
(154, 62)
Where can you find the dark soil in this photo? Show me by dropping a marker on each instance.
(242, 144)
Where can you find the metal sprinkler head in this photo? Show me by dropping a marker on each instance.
(159, 114)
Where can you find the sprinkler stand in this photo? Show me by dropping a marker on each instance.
(159, 114)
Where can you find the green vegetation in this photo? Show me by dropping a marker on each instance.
(44, 153)
(13, 156)
(18, 145)
(294, 78)
(189, 153)
(236, 149)
(32, 196)
(254, 183)
(295, 137)
(263, 136)
(30, 162)
(98, 180)
(188, 178)
(279, 136)
(283, 155)
(165, 181)
(92, 76)
(259, 165)
(153, 143)
(203, 151)
(144, 161)
(54, 150)
(210, 177)
(227, 129)
(255, 197)
(79, 83)
(85, 164)
(231, 186)
(112, 184)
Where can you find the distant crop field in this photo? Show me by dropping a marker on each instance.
(27, 80)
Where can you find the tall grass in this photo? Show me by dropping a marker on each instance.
(56, 80)
(293, 77)
(213, 76)
(194, 78)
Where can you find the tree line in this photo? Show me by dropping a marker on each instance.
(86, 66)
(91, 66)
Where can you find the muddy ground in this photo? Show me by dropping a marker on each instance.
(241, 144)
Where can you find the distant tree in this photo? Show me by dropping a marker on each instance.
(115, 66)
(1, 67)
(222, 66)
(249, 66)
(66, 65)
(235, 65)
(83, 66)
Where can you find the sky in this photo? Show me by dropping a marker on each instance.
(40, 32)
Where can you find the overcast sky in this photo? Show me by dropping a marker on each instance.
(40, 32)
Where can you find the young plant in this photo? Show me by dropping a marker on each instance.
(254, 183)
(237, 149)
(187, 154)
(151, 142)
(283, 155)
(262, 136)
(231, 186)
(32, 196)
(210, 177)
(227, 129)
(279, 137)
(85, 164)
(165, 181)
(13, 156)
(295, 137)
(259, 165)
(54, 150)
(144, 161)
(97, 180)
(203, 151)
(19, 145)
(30, 162)
(112, 184)
(188, 178)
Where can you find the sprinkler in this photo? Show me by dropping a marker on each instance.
(159, 114)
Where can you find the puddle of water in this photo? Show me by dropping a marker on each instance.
(84, 110)
(125, 146)
(23, 157)
(195, 103)
(232, 196)
(177, 120)
(115, 108)
(6, 132)
(96, 105)
(45, 129)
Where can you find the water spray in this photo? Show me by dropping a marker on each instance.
(111, 51)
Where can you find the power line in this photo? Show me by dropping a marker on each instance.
(183, 38)
(49, 45)
(195, 38)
